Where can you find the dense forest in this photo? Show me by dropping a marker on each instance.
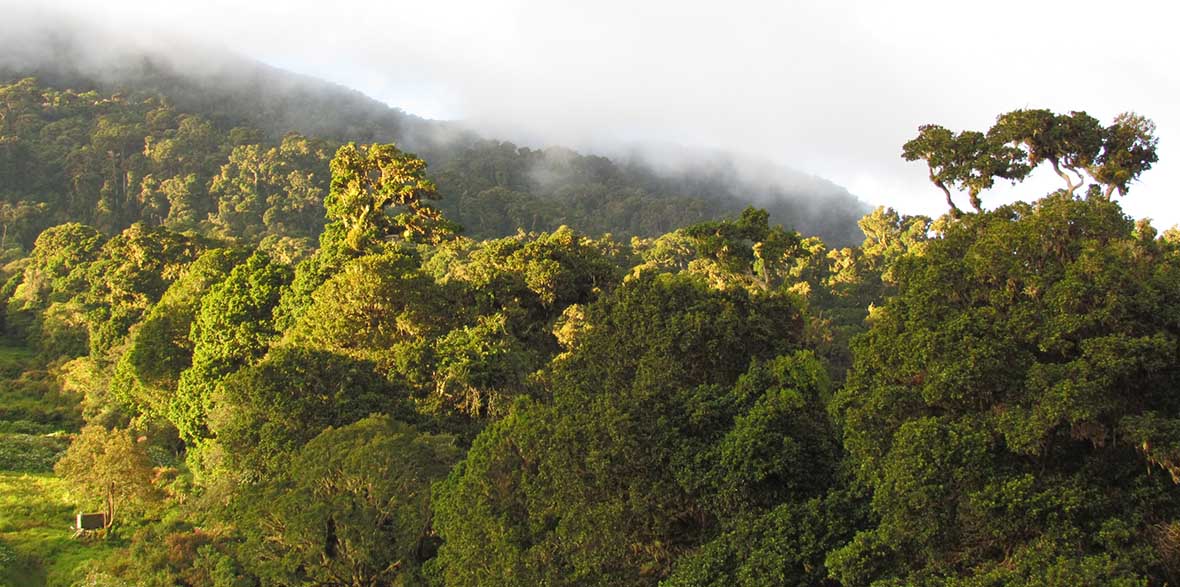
(195, 117)
(273, 358)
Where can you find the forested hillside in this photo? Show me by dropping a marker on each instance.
(213, 103)
(272, 358)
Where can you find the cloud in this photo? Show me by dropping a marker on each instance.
(830, 88)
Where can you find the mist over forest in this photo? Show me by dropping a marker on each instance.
(232, 91)
(262, 329)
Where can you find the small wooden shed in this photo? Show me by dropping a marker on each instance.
(87, 522)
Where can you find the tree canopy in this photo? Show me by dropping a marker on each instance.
(313, 376)
(1019, 141)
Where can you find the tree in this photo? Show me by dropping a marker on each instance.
(108, 466)
(367, 180)
(785, 546)
(184, 202)
(1128, 149)
(480, 369)
(54, 276)
(241, 190)
(1006, 408)
(373, 307)
(672, 415)
(1021, 140)
(232, 329)
(60, 255)
(20, 220)
(353, 509)
(1068, 142)
(967, 160)
(160, 349)
(265, 413)
(132, 271)
(746, 252)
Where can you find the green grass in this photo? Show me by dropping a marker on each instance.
(13, 359)
(31, 400)
(36, 544)
(37, 547)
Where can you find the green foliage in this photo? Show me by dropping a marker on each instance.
(376, 308)
(985, 401)
(743, 446)
(159, 349)
(132, 272)
(354, 507)
(60, 251)
(272, 191)
(669, 412)
(371, 182)
(494, 188)
(54, 273)
(747, 252)
(1022, 139)
(968, 160)
(611, 482)
(167, 553)
(145, 155)
(232, 329)
(530, 278)
(107, 467)
(785, 546)
(29, 453)
(264, 413)
(114, 161)
(481, 368)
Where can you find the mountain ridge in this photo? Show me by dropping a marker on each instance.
(232, 90)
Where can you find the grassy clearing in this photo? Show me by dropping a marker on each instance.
(32, 402)
(34, 413)
(36, 544)
(13, 359)
(37, 547)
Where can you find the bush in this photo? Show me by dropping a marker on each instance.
(31, 453)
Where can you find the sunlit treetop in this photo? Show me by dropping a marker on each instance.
(1075, 145)
(367, 180)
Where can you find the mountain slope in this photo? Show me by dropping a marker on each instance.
(490, 187)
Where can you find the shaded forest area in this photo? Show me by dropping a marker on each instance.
(280, 360)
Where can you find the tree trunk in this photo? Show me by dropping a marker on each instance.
(975, 202)
(107, 523)
(1069, 185)
(955, 212)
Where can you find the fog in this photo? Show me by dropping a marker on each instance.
(831, 89)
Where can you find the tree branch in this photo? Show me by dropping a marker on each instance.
(1069, 185)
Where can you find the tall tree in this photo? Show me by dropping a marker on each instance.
(110, 467)
(379, 191)
(353, 507)
(233, 328)
(671, 416)
(967, 160)
(1023, 139)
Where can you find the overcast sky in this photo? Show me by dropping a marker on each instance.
(831, 88)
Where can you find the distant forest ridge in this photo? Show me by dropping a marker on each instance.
(490, 187)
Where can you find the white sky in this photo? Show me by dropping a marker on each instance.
(832, 88)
